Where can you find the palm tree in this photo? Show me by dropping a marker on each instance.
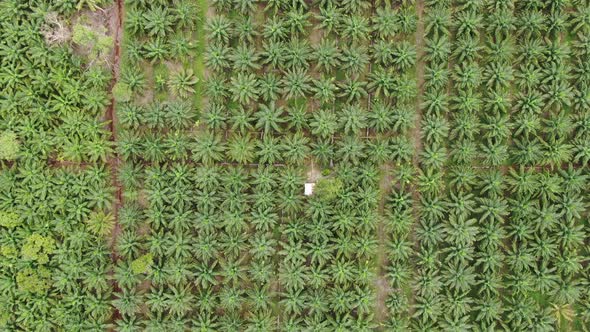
(380, 118)
(468, 50)
(404, 55)
(438, 20)
(327, 55)
(581, 19)
(273, 54)
(329, 18)
(241, 149)
(216, 88)
(298, 53)
(297, 20)
(437, 50)
(323, 123)
(158, 22)
(382, 82)
(207, 148)
(218, 29)
(245, 58)
(217, 56)
(322, 150)
(269, 117)
(181, 83)
(296, 83)
(269, 150)
(244, 88)
(353, 119)
(297, 118)
(215, 116)
(128, 301)
(295, 148)
(274, 28)
(293, 302)
(353, 89)
(386, 22)
(246, 30)
(354, 27)
(401, 149)
(270, 87)
(354, 59)
(292, 275)
(325, 89)
(355, 6)
(351, 149)
(427, 308)
(434, 155)
(468, 24)
(241, 120)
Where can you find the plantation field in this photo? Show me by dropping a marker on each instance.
(155, 156)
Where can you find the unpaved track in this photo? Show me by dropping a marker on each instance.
(111, 116)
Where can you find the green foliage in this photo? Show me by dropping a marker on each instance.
(94, 41)
(328, 189)
(142, 264)
(9, 219)
(33, 280)
(38, 248)
(182, 82)
(9, 146)
(100, 223)
(122, 92)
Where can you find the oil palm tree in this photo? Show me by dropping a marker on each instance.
(240, 148)
(207, 148)
(244, 88)
(269, 118)
(296, 83)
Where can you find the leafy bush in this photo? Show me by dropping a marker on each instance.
(9, 146)
(328, 189)
(38, 248)
(142, 264)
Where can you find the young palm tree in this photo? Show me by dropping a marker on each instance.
(245, 58)
(182, 83)
(269, 118)
(351, 149)
(298, 53)
(325, 90)
(244, 88)
(240, 148)
(295, 148)
(270, 87)
(323, 123)
(207, 148)
(269, 150)
(327, 55)
(296, 83)
(219, 29)
(217, 56)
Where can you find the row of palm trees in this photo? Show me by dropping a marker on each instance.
(238, 228)
(478, 226)
(52, 208)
